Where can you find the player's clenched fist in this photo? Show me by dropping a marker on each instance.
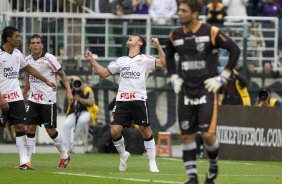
(155, 41)
(88, 55)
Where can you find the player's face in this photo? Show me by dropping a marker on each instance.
(36, 45)
(185, 14)
(15, 40)
(133, 40)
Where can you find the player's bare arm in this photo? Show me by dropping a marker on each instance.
(32, 71)
(161, 61)
(26, 87)
(103, 72)
(66, 83)
(3, 104)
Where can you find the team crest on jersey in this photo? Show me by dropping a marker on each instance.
(200, 46)
(185, 125)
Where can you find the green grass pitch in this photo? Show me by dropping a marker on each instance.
(103, 169)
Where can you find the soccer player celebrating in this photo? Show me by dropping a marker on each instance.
(42, 98)
(131, 97)
(11, 97)
(196, 82)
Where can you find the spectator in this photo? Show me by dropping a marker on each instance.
(215, 13)
(270, 8)
(264, 99)
(268, 70)
(235, 91)
(161, 11)
(121, 7)
(71, 64)
(82, 111)
(99, 6)
(236, 7)
(141, 6)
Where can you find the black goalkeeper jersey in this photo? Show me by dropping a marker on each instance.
(198, 56)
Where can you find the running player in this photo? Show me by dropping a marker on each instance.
(196, 81)
(131, 97)
(11, 97)
(42, 99)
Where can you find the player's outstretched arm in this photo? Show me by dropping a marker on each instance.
(161, 61)
(103, 72)
(35, 73)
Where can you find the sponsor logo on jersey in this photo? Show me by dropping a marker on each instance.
(9, 73)
(34, 80)
(126, 72)
(11, 96)
(193, 65)
(127, 95)
(178, 42)
(37, 96)
(202, 39)
(195, 101)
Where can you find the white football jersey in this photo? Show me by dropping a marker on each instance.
(133, 74)
(10, 65)
(48, 66)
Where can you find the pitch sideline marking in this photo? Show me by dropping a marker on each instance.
(118, 178)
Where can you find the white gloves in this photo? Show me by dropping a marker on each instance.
(214, 83)
(176, 82)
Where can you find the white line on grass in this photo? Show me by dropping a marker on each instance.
(221, 162)
(118, 178)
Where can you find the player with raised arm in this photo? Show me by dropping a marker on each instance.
(132, 96)
(11, 97)
(196, 81)
(42, 99)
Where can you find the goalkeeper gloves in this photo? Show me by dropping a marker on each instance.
(176, 82)
(214, 83)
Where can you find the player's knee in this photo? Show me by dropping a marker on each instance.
(19, 128)
(115, 133)
(31, 129)
(209, 138)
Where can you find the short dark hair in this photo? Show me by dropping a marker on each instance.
(36, 36)
(8, 32)
(195, 5)
(143, 41)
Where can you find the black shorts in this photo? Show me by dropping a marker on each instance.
(198, 114)
(127, 112)
(16, 113)
(39, 114)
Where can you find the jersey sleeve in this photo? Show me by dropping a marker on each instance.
(23, 62)
(150, 63)
(220, 40)
(169, 52)
(53, 63)
(114, 66)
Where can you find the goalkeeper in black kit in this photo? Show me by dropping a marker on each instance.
(195, 80)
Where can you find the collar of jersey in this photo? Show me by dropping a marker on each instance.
(135, 55)
(42, 55)
(2, 48)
